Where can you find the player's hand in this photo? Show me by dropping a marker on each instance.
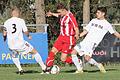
(30, 37)
(76, 37)
(48, 14)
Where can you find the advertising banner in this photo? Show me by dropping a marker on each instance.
(108, 49)
(39, 42)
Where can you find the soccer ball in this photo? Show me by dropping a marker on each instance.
(55, 69)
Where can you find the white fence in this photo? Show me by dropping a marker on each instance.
(112, 24)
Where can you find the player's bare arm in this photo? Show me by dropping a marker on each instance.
(48, 14)
(83, 33)
(117, 34)
(28, 35)
(76, 33)
(4, 34)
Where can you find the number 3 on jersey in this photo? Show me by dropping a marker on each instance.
(14, 28)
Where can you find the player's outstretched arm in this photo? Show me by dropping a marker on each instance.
(48, 14)
(117, 34)
(76, 33)
(83, 33)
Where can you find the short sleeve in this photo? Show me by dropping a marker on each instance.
(24, 27)
(111, 29)
(73, 20)
(88, 26)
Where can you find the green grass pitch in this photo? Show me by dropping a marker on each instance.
(66, 73)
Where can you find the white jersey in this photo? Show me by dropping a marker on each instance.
(15, 28)
(97, 30)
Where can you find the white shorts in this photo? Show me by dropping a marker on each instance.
(85, 48)
(25, 49)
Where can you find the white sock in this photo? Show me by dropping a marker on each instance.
(93, 62)
(39, 61)
(17, 63)
(80, 61)
(76, 62)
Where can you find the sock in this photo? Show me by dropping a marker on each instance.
(17, 63)
(50, 59)
(76, 62)
(80, 61)
(69, 60)
(93, 62)
(39, 61)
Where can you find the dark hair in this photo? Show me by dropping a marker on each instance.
(61, 6)
(102, 9)
(15, 8)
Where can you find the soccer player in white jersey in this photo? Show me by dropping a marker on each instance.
(13, 30)
(94, 31)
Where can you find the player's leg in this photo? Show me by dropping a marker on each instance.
(16, 61)
(65, 58)
(28, 48)
(76, 61)
(38, 59)
(51, 56)
(90, 60)
(93, 62)
(56, 47)
(66, 49)
(89, 48)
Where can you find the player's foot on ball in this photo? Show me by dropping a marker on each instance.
(20, 72)
(101, 67)
(46, 71)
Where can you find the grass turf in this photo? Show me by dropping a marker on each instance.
(33, 73)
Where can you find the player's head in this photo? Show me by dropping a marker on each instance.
(62, 9)
(101, 12)
(15, 12)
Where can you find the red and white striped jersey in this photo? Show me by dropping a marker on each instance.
(67, 25)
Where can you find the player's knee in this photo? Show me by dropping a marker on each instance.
(87, 58)
(74, 52)
(54, 50)
(63, 59)
(14, 55)
(34, 51)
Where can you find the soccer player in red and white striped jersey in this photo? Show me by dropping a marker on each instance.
(69, 33)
